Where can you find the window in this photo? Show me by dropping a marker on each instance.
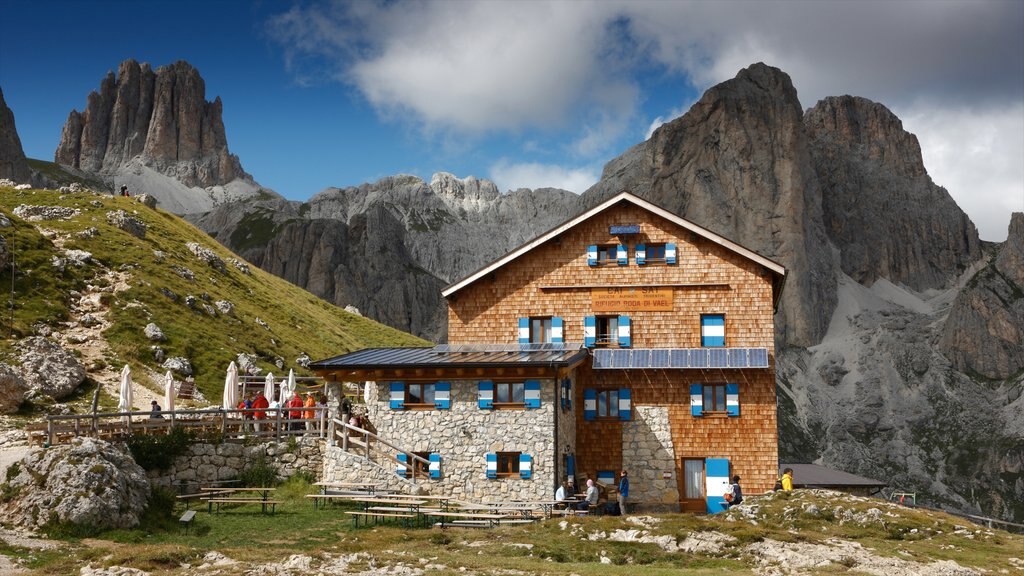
(540, 330)
(509, 393)
(608, 404)
(607, 331)
(607, 253)
(508, 463)
(418, 395)
(712, 330)
(655, 254)
(714, 398)
(422, 468)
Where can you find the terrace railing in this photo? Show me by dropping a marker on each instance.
(377, 450)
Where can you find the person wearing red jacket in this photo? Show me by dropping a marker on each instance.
(296, 415)
(260, 402)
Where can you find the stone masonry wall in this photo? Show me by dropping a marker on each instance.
(647, 440)
(463, 435)
(205, 463)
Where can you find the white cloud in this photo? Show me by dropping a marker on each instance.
(978, 156)
(512, 176)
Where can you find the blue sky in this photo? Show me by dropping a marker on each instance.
(529, 94)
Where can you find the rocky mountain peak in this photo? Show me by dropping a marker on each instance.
(161, 117)
(13, 165)
(1010, 260)
(467, 193)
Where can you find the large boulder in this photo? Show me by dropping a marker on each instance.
(49, 369)
(89, 483)
(12, 389)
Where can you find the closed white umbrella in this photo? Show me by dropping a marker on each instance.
(288, 388)
(124, 403)
(169, 391)
(268, 387)
(231, 387)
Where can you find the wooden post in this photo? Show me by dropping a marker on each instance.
(278, 437)
(49, 431)
(223, 423)
(344, 438)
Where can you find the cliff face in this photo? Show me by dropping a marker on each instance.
(161, 117)
(880, 206)
(13, 165)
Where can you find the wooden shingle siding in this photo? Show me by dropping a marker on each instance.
(720, 281)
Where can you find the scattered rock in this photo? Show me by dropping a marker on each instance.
(247, 364)
(154, 333)
(158, 354)
(159, 256)
(262, 323)
(39, 213)
(169, 294)
(208, 256)
(49, 369)
(185, 273)
(5, 222)
(146, 200)
(129, 224)
(88, 320)
(242, 266)
(226, 308)
(352, 310)
(178, 364)
(191, 301)
(12, 389)
(303, 360)
(78, 257)
(89, 232)
(88, 482)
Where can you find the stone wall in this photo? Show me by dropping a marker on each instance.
(463, 435)
(205, 463)
(647, 440)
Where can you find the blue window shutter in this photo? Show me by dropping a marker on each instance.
(435, 465)
(592, 255)
(403, 466)
(625, 404)
(524, 330)
(571, 465)
(567, 403)
(525, 466)
(625, 339)
(398, 396)
(670, 253)
(622, 254)
(443, 395)
(732, 399)
(492, 465)
(696, 399)
(590, 331)
(589, 404)
(531, 394)
(641, 254)
(712, 330)
(557, 330)
(486, 394)
(717, 475)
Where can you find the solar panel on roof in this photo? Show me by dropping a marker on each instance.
(699, 358)
(718, 358)
(620, 358)
(758, 358)
(737, 358)
(641, 359)
(601, 359)
(679, 359)
(659, 358)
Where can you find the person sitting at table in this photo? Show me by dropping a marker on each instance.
(155, 410)
(591, 497)
(561, 494)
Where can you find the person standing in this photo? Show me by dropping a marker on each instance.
(309, 415)
(295, 415)
(260, 404)
(787, 480)
(623, 492)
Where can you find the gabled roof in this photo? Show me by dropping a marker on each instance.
(459, 356)
(771, 265)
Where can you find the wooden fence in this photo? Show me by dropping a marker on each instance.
(375, 449)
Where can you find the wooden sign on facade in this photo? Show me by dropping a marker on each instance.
(631, 299)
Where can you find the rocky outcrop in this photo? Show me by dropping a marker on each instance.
(12, 389)
(48, 369)
(89, 483)
(13, 164)
(739, 163)
(984, 333)
(161, 116)
(880, 207)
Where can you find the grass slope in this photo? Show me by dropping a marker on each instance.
(296, 320)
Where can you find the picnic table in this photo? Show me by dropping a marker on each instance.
(464, 519)
(221, 495)
(375, 508)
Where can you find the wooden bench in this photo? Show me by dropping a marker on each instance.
(186, 519)
(264, 503)
(356, 515)
(569, 512)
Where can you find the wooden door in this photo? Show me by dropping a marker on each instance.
(691, 486)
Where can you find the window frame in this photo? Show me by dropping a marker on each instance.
(648, 259)
(423, 470)
(422, 404)
(511, 462)
(724, 330)
(611, 253)
(511, 403)
(613, 335)
(606, 395)
(716, 389)
(546, 324)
